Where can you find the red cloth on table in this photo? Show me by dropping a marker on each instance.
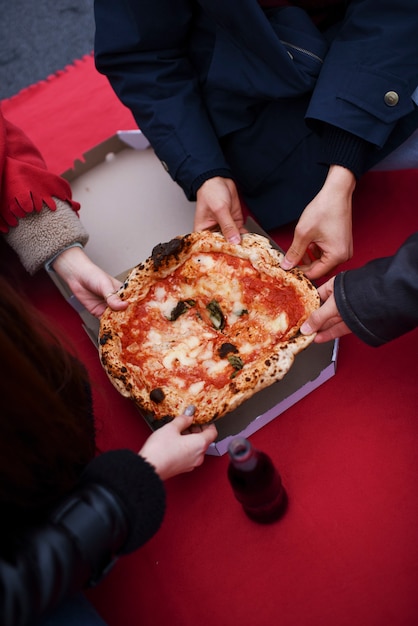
(346, 551)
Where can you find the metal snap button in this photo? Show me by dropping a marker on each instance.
(391, 98)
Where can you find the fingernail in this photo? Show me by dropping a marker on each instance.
(189, 410)
(235, 239)
(285, 264)
(305, 329)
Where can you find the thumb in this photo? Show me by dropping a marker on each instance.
(318, 318)
(230, 231)
(294, 254)
(186, 419)
(310, 325)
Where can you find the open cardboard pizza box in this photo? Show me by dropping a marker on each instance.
(130, 204)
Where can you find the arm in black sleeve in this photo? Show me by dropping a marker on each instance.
(340, 147)
(119, 506)
(379, 302)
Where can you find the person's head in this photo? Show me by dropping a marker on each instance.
(46, 426)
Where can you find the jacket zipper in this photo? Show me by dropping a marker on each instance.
(302, 50)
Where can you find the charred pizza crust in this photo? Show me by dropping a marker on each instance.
(163, 402)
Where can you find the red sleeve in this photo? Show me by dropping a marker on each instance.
(26, 184)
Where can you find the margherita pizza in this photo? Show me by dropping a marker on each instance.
(209, 323)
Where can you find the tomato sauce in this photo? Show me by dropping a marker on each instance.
(259, 295)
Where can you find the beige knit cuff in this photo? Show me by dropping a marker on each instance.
(40, 236)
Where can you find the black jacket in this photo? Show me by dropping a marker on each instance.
(118, 506)
(379, 302)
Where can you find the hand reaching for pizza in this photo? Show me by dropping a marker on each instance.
(178, 447)
(93, 287)
(325, 321)
(218, 204)
(323, 236)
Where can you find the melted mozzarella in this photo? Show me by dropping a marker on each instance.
(154, 337)
(196, 388)
(185, 342)
(246, 348)
(160, 293)
(215, 279)
(213, 367)
(236, 313)
(178, 382)
(206, 262)
(277, 325)
(179, 354)
(163, 303)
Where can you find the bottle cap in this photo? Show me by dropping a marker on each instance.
(240, 449)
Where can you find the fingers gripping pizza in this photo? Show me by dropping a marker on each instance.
(209, 323)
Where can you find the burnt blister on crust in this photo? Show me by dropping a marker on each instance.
(104, 338)
(127, 383)
(157, 395)
(164, 251)
(233, 388)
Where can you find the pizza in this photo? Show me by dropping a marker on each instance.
(209, 323)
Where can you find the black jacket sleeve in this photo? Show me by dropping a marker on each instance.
(119, 506)
(379, 302)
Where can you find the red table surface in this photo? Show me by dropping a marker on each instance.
(347, 549)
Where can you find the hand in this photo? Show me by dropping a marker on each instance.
(93, 287)
(178, 446)
(323, 236)
(325, 321)
(218, 204)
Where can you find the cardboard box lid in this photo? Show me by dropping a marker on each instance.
(123, 233)
(129, 202)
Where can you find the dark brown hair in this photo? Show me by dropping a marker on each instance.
(46, 424)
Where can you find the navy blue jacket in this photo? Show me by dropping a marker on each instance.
(379, 302)
(194, 71)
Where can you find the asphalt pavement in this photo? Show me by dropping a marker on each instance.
(40, 37)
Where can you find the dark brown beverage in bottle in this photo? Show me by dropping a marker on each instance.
(255, 482)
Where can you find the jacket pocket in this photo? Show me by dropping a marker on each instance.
(385, 96)
(283, 61)
(303, 42)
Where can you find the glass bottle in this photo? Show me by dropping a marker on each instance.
(255, 482)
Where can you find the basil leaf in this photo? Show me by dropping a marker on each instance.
(181, 307)
(215, 314)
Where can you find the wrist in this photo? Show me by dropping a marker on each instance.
(68, 261)
(341, 179)
(59, 257)
(343, 148)
(208, 176)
